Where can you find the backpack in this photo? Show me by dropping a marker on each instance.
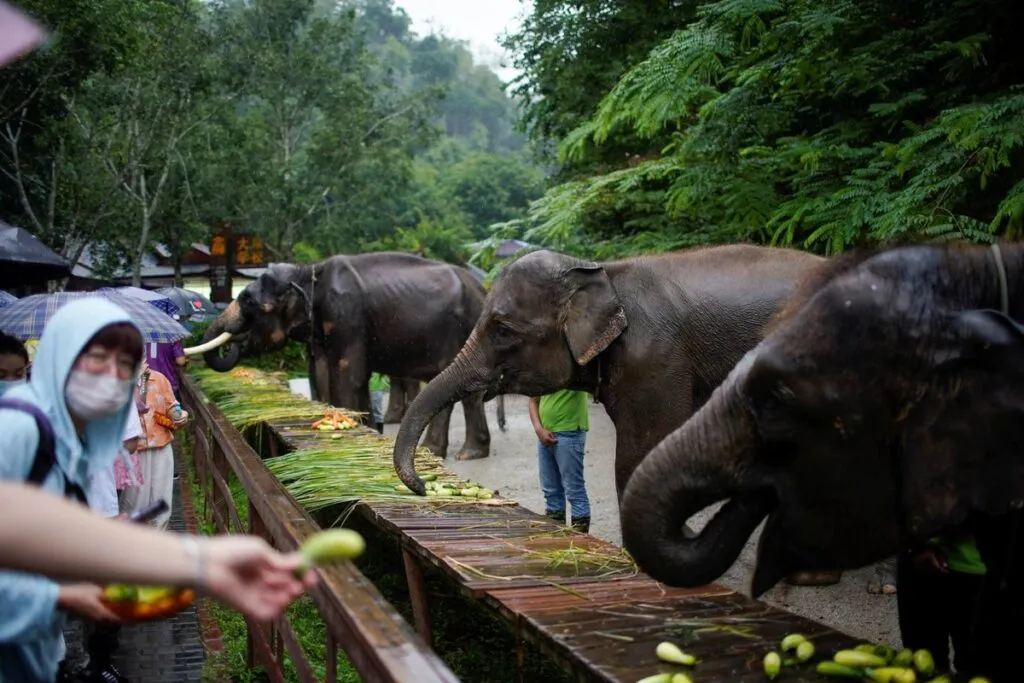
(46, 452)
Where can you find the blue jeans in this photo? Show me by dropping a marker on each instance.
(377, 405)
(561, 473)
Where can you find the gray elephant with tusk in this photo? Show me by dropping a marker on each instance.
(882, 408)
(394, 313)
(650, 337)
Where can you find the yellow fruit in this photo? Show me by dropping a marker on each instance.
(804, 651)
(791, 641)
(856, 658)
(669, 652)
(924, 662)
(772, 665)
(331, 545)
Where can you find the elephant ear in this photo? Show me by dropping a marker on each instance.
(593, 318)
(963, 445)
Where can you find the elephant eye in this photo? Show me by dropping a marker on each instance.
(502, 334)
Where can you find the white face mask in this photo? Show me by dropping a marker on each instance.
(8, 384)
(91, 396)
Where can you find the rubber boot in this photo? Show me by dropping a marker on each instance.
(380, 427)
(581, 524)
(557, 515)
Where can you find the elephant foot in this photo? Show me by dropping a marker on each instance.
(439, 451)
(884, 588)
(814, 578)
(468, 453)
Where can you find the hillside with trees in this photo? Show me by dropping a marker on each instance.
(324, 127)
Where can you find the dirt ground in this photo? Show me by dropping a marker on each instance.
(512, 470)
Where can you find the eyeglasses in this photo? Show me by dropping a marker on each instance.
(98, 361)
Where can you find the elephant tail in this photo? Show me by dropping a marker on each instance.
(501, 412)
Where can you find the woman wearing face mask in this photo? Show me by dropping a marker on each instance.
(13, 363)
(81, 385)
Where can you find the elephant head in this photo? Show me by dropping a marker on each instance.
(546, 316)
(265, 315)
(883, 411)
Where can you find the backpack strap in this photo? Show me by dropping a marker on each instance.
(46, 451)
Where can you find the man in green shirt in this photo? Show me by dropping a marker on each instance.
(561, 423)
(379, 385)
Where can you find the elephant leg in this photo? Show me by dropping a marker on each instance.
(319, 375)
(436, 438)
(350, 382)
(398, 401)
(478, 437)
(412, 390)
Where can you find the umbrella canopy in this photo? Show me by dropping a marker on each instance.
(26, 317)
(191, 304)
(6, 298)
(162, 302)
(23, 258)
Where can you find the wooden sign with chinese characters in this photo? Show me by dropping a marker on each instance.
(221, 243)
(248, 250)
(230, 250)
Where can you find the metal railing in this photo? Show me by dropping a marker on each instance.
(377, 640)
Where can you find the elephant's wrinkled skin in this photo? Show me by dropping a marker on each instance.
(649, 336)
(880, 410)
(389, 312)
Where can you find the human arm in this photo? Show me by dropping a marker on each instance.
(243, 572)
(545, 436)
(30, 602)
(180, 359)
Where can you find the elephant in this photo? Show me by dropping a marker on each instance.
(884, 406)
(649, 337)
(394, 313)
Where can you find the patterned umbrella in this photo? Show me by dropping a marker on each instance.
(26, 317)
(159, 300)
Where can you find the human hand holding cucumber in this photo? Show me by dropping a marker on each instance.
(243, 572)
(247, 574)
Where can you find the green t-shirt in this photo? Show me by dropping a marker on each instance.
(961, 554)
(564, 411)
(379, 382)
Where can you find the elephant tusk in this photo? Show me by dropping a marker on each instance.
(219, 340)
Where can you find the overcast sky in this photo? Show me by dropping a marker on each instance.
(478, 21)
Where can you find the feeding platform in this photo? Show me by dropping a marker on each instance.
(581, 600)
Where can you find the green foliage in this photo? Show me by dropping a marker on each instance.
(820, 124)
(323, 127)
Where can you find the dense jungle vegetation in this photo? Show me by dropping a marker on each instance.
(634, 126)
(822, 125)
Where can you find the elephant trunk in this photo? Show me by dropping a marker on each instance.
(463, 377)
(699, 464)
(219, 333)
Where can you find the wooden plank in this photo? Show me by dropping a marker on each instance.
(609, 633)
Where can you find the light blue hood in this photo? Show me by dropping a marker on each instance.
(64, 338)
(31, 639)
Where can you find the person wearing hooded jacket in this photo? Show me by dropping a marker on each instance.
(82, 378)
